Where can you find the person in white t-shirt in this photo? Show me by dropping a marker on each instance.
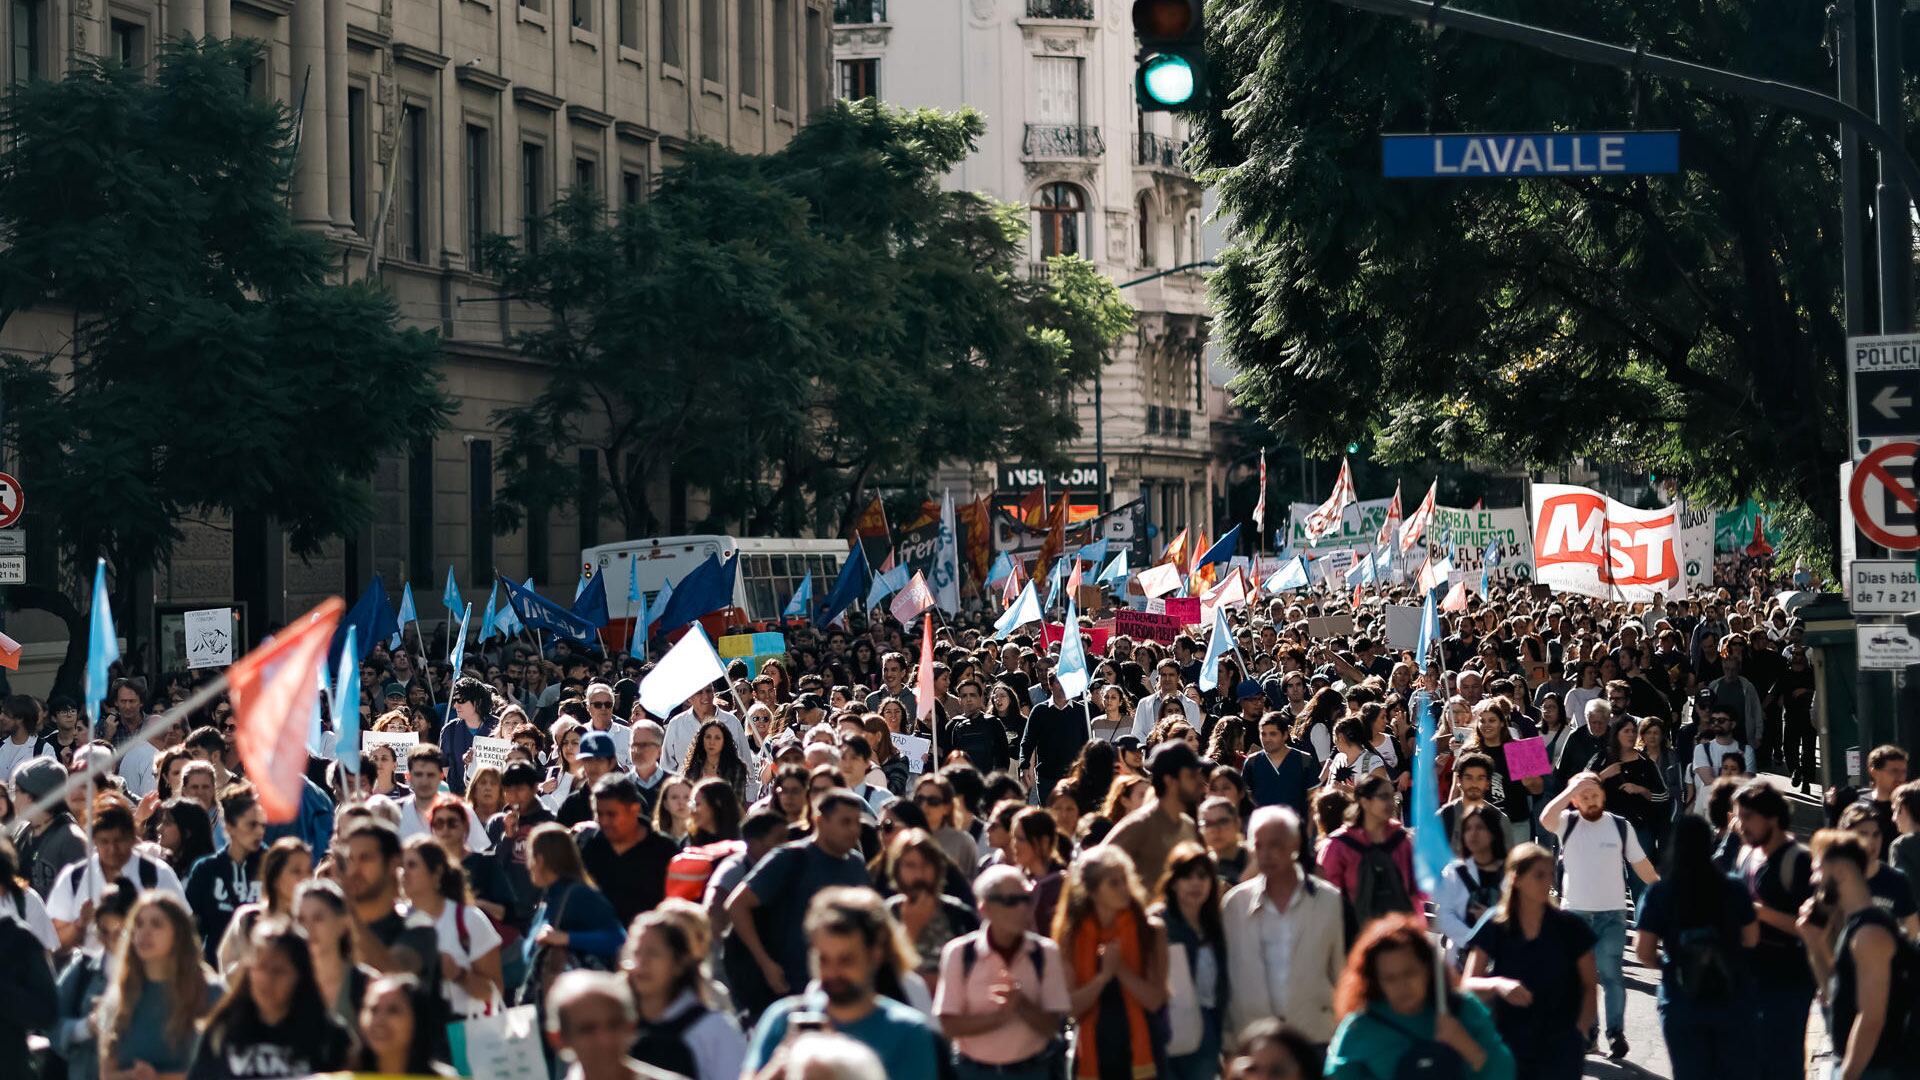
(19, 723)
(70, 901)
(470, 976)
(1717, 747)
(426, 768)
(1594, 846)
(685, 726)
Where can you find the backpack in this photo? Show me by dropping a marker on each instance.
(689, 869)
(1378, 888)
(664, 1045)
(970, 954)
(1567, 823)
(1426, 1058)
(1699, 967)
(143, 868)
(1902, 1026)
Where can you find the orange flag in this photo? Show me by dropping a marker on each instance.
(1176, 552)
(9, 653)
(273, 690)
(1056, 540)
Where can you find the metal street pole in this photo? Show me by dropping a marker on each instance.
(1853, 269)
(1894, 225)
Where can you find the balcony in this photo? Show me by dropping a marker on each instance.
(1062, 141)
(858, 12)
(1060, 9)
(1158, 151)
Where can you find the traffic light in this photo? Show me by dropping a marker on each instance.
(1172, 71)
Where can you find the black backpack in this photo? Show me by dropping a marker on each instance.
(664, 1045)
(1378, 888)
(1699, 966)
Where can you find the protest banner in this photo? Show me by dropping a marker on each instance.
(1094, 638)
(1527, 758)
(755, 649)
(209, 637)
(1326, 626)
(1403, 627)
(1468, 534)
(400, 741)
(1359, 526)
(488, 750)
(1587, 543)
(1733, 529)
(915, 749)
(1146, 626)
(1184, 609)
(1696, 546)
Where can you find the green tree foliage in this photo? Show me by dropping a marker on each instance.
(782, 330)
(1690, 323)
(205, 365)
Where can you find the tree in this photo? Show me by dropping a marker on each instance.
(207, 365)
(781, 330)
(1688, 323)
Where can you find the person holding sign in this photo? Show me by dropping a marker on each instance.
(472, 717)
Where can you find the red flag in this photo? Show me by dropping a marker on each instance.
(1456, 597)
(9, 653)
(1390, 528)
(1480, 503)
(1073, 582)
(1359, 595)
(1056, 541)
(1325, 520)
(273, 690)
(1416, 525)
(923, 685)
(1032, 511)
(1176, 552)
(1759, 549)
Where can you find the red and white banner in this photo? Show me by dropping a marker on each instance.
(1325, 520)
(1416, 526)
(1586, 543)
(1390, 527)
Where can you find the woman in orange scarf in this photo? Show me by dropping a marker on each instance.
(1116, 958)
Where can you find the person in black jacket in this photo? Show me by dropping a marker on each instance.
(624, 854)
(981, 737)
(225, 881)
(1056, 732)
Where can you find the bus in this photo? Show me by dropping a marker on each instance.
(771, 568)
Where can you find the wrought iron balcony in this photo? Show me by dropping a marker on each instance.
(1062, 141)
(1158, 151)
(1060, 9)
(859, 11)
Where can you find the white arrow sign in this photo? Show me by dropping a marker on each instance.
(1889, 402)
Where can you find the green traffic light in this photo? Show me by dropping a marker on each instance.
(1168, 79)
(1353, 448)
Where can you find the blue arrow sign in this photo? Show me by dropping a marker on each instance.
(1591, 153)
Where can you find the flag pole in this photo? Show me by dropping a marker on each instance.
(152, 731)
(933, 718)
(426, 662)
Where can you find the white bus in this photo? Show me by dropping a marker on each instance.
(771, 568)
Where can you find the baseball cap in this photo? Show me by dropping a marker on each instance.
(1247, 689)
(596, 745)
(39, 777)
(809, 702)
(394, 689)
(1126, 742)
(1173, 757)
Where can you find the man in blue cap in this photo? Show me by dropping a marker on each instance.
(594, 759)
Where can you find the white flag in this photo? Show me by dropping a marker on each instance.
(913, 600)
(946, 560)
(688, 666)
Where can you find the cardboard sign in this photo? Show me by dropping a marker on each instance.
(209, 635)
(488, 750)
(1091, 598)
(915, 749)
(1403, 627)
(1094, 638)
(1326, 626)
(1185, 609)
(400, 741)
(1146, 626)
(1527, 758)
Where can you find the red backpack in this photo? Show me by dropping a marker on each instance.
(689, 870)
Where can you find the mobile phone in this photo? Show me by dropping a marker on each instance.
(800, 1023)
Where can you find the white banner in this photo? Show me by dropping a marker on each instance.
(490, 751)
(1359, 526)
(400, 741)
(1469, 533)
(1586, 543)
(209, 635)
(1696, 546)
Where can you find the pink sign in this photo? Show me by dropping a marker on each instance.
(1094, 637)
(1186, 609)
(1527, 758)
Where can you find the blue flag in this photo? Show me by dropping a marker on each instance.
(1223, 549)
(707, 589)
(316, 728)
(1025, 609)
(643, 617)
(591, 604)
(1116, 572)
(459, 654)
(1055, 578)
(103, 644)
(487, 617)
(450, 596)
(580, 586)
(1002, 566)
(1430, 632)
(846, 587)
(1072, 667)
(1094, 553)
(885, 585)
(1293, 575)
(1492, 555)
(802, 599)
(538, 613)
(633, 582)
(371, 616)
(1430, 851)
(1219, 644)
(346, 709)
(408, 614)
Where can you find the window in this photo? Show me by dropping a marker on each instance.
(480, 512)
(816, 58)
(259, 81)
(783, 54)
(534, 5)
(357, 157)
(633, 186)
(420, 511)
(671, 21)
(29, 47)
(583, 14)
(533, 162)
(584, 175)
(712, 26)
(859, 79)
(589, 508)
(1144, 213)
(1057, 91)
(1057, 213)
(413, 183)
(479, 165)
(630, 24)
(129, 42)
(750, 47)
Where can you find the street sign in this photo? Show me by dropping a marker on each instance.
(13, 569)
(1886, 647)
(1882, 496)
(13, 499)
(1883, 587)
(1883, 390)
(1560, 153)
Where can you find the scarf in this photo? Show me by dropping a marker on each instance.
(1114, 1004)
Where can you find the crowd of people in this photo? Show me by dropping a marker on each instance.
(838, 865)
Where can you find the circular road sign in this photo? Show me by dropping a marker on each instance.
(1886, 507)
(13, 499)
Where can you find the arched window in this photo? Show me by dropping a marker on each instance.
(1058, 213)
(1143, 224)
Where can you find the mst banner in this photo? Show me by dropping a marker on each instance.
(1584, 542)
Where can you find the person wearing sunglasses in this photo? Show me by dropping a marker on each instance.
(1002, 993)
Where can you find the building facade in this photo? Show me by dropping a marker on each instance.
(1100, 179)
(426, 125)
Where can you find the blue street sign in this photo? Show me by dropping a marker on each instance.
(1585, 153)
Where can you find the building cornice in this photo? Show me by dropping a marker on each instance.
(272, 9)
(536, 99)
(581, 114)
(418, 57)
(480, 78)
(627, 129)
(365, 38)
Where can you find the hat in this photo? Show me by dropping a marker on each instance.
(1173, 757)
(1126, 742)
(394, 689)
(39, 777)
(1247, 689)
(807, 702)
(595, 745)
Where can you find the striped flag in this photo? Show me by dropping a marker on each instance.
(1326, 519)
(1392, 525)
(1260, 506)
(272, 689)
(1416, 524)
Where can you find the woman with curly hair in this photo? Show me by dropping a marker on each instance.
(713, 756)
(1116, 959)
(1387, 1006)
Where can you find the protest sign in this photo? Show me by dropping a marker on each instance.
(1587, 543)
(1468, 534)
(1146, 626)
(1094, 638)
(488, 750)
(1696, 546)
(1184, 609)
(1527, 758)
(1326, 626)
(400, 741)
(209, 635)
(1359, 526)
(914, 749)
(1403, 627)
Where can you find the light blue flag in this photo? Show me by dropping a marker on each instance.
(450, 596)
(1093, 554)
(1116, 571)
(1002, 566)
(103, 644)
(407, 614)
(1293, 575)
(1055, 578)
(1429, 631)
(316, 731)
(1025, 609)
(944, 576)
(885, 585)
(643, 628)
(1430, 851)
(1219, 644)
(459, 654)
(633, 581)
(802, 599)
(346, 709)
(1361, 571)
(506, 622)
(1072, 668)
(491, 615)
